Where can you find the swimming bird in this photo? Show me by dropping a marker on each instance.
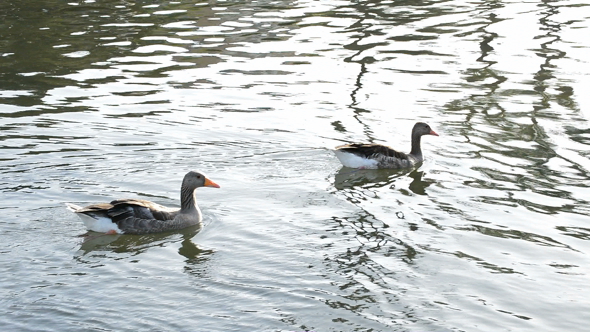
(372, 156)
(137, 216)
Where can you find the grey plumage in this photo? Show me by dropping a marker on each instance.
(358, 155)
(136, 216)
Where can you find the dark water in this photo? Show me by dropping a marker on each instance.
(111, 99)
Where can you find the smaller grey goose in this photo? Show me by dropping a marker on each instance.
(373, 156)
(136, 216)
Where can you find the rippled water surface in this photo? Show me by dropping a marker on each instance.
(110, 99)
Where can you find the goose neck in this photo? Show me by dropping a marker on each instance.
(187, 199)
(416, 150)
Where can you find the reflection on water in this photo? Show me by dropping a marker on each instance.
(367, 178)
(349, 177)
(418, 186)
(117, 98)
(359, 186)
(138, 244)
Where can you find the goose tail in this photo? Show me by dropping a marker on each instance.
(73, 207)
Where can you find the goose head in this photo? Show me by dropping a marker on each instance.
(421, 129)
(193, 180)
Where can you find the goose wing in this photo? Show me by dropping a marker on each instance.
(123, 209)
(372, 151)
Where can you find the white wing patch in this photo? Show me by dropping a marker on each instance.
(353, 161)
(94, 222)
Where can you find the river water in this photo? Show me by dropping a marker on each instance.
(110, 99)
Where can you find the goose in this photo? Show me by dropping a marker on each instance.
(373, 156)
(137, 216)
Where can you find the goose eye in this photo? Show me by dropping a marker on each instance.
(198, 176)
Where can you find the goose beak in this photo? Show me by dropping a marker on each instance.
(209, 183)
(432, 133)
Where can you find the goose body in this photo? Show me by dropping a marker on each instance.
(136, 216)
(373, 156)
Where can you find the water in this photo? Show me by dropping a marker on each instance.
(112, 99)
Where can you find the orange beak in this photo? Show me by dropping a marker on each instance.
(433, 133)
(209, 183)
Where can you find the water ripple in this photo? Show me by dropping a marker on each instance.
(117, 99)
